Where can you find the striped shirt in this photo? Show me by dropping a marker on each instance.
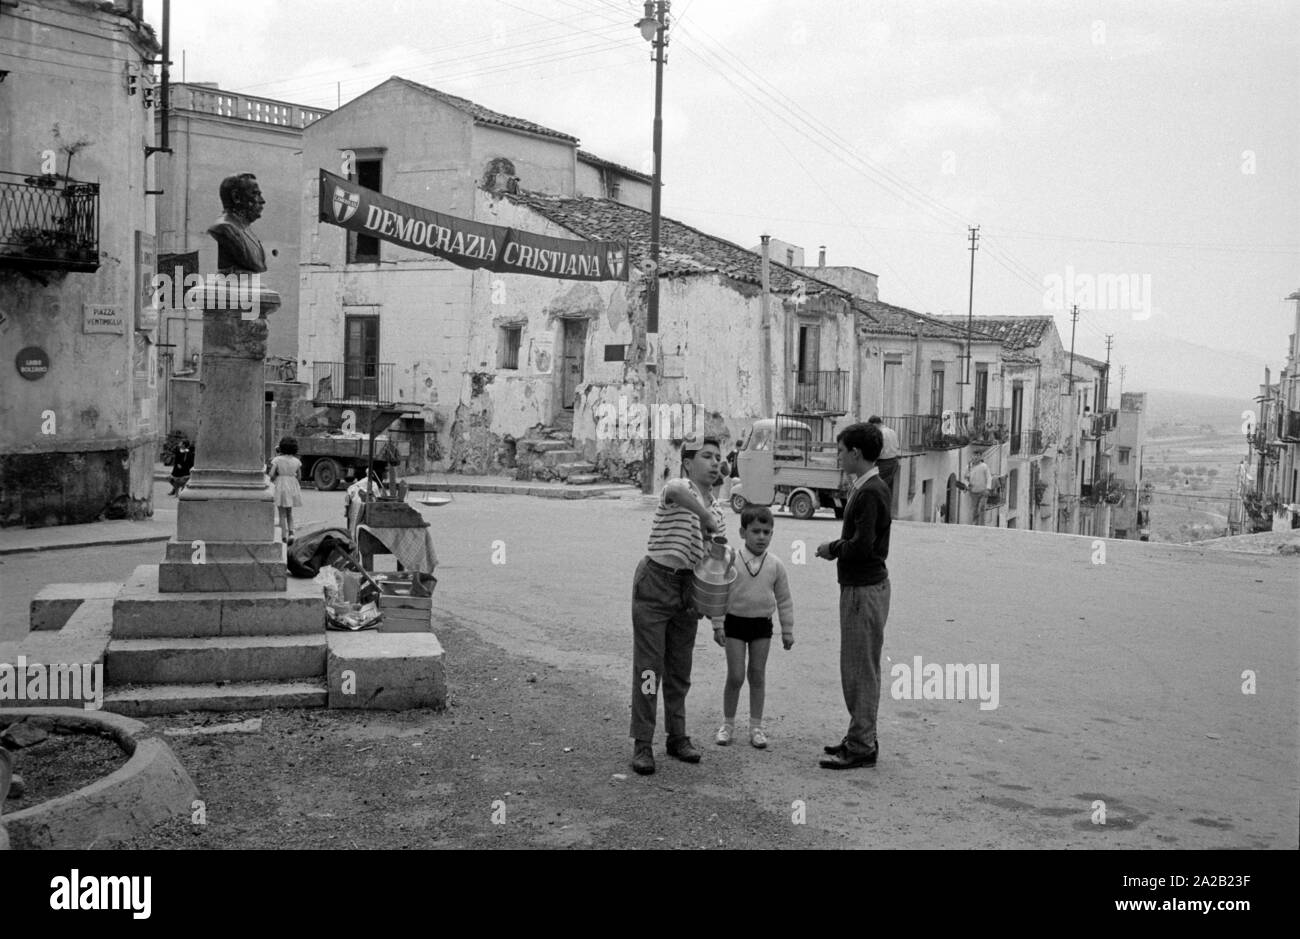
(676, 540)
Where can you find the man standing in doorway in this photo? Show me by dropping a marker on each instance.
(977, 480)
(859, 556)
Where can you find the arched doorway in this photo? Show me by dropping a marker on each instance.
(950, 506)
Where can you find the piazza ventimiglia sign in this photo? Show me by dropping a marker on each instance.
(464, 242)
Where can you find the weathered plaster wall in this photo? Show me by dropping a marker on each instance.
(543, 164)
(593, 181)
(81, 438)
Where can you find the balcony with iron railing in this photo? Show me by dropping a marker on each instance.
(989, 426)
(819, 392)
(1291, 427)
(1104, 423)
(48, 223)
(934, 432)
(1027, 443)
(355, 382)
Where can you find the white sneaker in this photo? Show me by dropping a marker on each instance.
(757, 738)
(723, 736)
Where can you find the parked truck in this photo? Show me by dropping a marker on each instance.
(328, 459)
(783, 460)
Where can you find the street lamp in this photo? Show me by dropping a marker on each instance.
(654, 29)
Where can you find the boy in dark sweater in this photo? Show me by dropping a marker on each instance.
(859, 556)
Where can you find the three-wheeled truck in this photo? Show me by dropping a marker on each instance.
(784, 460)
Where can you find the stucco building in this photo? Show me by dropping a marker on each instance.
(489, 359)
(78, 382)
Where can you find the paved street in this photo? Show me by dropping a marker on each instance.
(1118, 682)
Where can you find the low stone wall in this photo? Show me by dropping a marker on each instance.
(42, 489)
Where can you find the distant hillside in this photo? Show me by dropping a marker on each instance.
(1181, 413)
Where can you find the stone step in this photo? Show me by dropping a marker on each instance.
(141, 612)
(567, 459)
(55, 603)
(152, 700)
(556, 458)
(582, 479)
(540, 445)
(213, 659)
(576, 468)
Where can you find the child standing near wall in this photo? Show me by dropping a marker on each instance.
(761, 588)
(285, 467)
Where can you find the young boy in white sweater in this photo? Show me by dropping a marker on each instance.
(760, 588)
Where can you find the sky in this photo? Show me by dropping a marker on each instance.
(1141, 160)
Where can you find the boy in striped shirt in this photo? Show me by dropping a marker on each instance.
(664, 620)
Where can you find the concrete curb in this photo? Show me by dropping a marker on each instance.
(100, 543)
(151, 788)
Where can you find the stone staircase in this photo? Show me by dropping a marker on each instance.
(214, 651)
(548, 454)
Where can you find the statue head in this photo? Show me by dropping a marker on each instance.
(242, 197)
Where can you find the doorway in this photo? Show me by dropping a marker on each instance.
(951, 505)
(574, 343)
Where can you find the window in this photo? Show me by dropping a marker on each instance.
(508, 346)
(789, 257)
(364, 249)
(1123, 456)
(1121, 532)
(936, 390)
(810, 338)
(361, 356)
(981, 390)
(1013, 486)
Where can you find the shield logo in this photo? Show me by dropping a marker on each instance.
(615, 260)
(345, 204)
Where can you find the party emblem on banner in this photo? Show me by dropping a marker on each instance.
(345, 204)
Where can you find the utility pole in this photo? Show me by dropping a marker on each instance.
(1075, 475)
(1122, 370)
(1105, 398)
(970, 315)
(654, 29)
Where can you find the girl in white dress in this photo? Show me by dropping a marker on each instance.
(285, 468)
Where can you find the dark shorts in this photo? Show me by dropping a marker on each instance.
(748, 628)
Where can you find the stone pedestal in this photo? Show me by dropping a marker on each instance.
(225, 526)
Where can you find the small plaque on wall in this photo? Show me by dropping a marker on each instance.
(98, 318)
(32, 363)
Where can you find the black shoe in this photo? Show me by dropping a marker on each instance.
(684, 750)
(845, 761)
(643, 759)
(841, 748)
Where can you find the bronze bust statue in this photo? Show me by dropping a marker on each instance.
(237, 250)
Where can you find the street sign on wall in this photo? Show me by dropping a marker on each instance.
(32, 363)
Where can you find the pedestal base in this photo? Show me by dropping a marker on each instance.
(224, 541)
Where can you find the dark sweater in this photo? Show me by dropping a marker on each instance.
(861, 550)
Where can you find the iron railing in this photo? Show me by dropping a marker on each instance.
(1027, 443)
(49, 223)
(933, 432)
(990, 426)
(1104, 423)
(1291, 427)
(355, 381)
(907, 429)
(820, 392)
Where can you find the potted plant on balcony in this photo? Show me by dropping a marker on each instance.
(1040, 489)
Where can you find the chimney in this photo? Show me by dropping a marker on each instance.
(821, 256)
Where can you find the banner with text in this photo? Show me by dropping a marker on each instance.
(464, 242)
